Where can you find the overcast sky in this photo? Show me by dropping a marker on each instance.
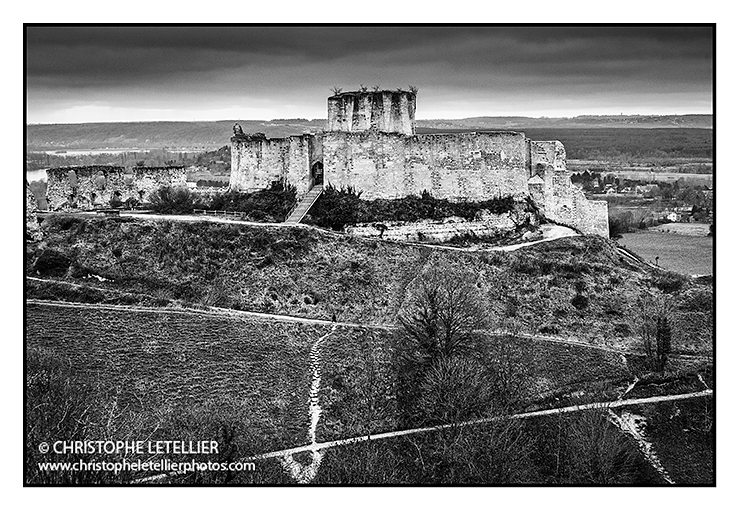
(213, 73)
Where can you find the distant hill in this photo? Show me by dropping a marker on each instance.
(213, 134)
(157, 135)
(583, 121)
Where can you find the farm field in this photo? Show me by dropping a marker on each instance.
(641, 175)
(683, 229)
(689, 255)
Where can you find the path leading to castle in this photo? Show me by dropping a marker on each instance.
(302, 473)
(549, 232)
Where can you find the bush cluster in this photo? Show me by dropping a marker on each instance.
(270, 205)
(339, 207)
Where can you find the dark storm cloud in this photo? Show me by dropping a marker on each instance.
(295, 61)
(86, 54)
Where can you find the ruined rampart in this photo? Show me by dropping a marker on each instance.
(485, 225)
(561, 201)
(460, 166)
(87, 187)
(257, 161)
(33, 231)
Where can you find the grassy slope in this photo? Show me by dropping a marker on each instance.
(319, 275)
(149, 361)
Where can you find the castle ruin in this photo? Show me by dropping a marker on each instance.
(87, 187)
(370, 143)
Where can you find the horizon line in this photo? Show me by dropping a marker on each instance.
(417, 119)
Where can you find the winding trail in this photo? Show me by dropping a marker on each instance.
(634, 425)
(631, 387)
(299, 472)
(550, 232)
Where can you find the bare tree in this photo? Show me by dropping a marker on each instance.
(376, 88)
(363, 87)
(441, 318)
(654, 329)
(445, 314)
(336, 90)
(413, 89)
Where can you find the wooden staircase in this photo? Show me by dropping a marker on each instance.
(302, 207)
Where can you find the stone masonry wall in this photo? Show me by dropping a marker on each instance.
(560, 200)
(485, 225)
(385, 111)
(257, 161)
(33, 231)
(464, 166)
(95, 186)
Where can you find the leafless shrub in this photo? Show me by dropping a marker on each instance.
(216, 294)
(336, 90)
(506, 372)
(598, 453)
(654, 329)
(455, 389)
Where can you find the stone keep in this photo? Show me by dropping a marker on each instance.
(370, 143)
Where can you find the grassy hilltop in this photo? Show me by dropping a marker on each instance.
(315, 274)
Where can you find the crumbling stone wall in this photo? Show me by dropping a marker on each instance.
(561, 201)
(485, 225)
(460, 166)
(385, 111)
(33, 231)
(87, 187)
(257, 161)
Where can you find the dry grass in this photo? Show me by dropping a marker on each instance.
(146, 362)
